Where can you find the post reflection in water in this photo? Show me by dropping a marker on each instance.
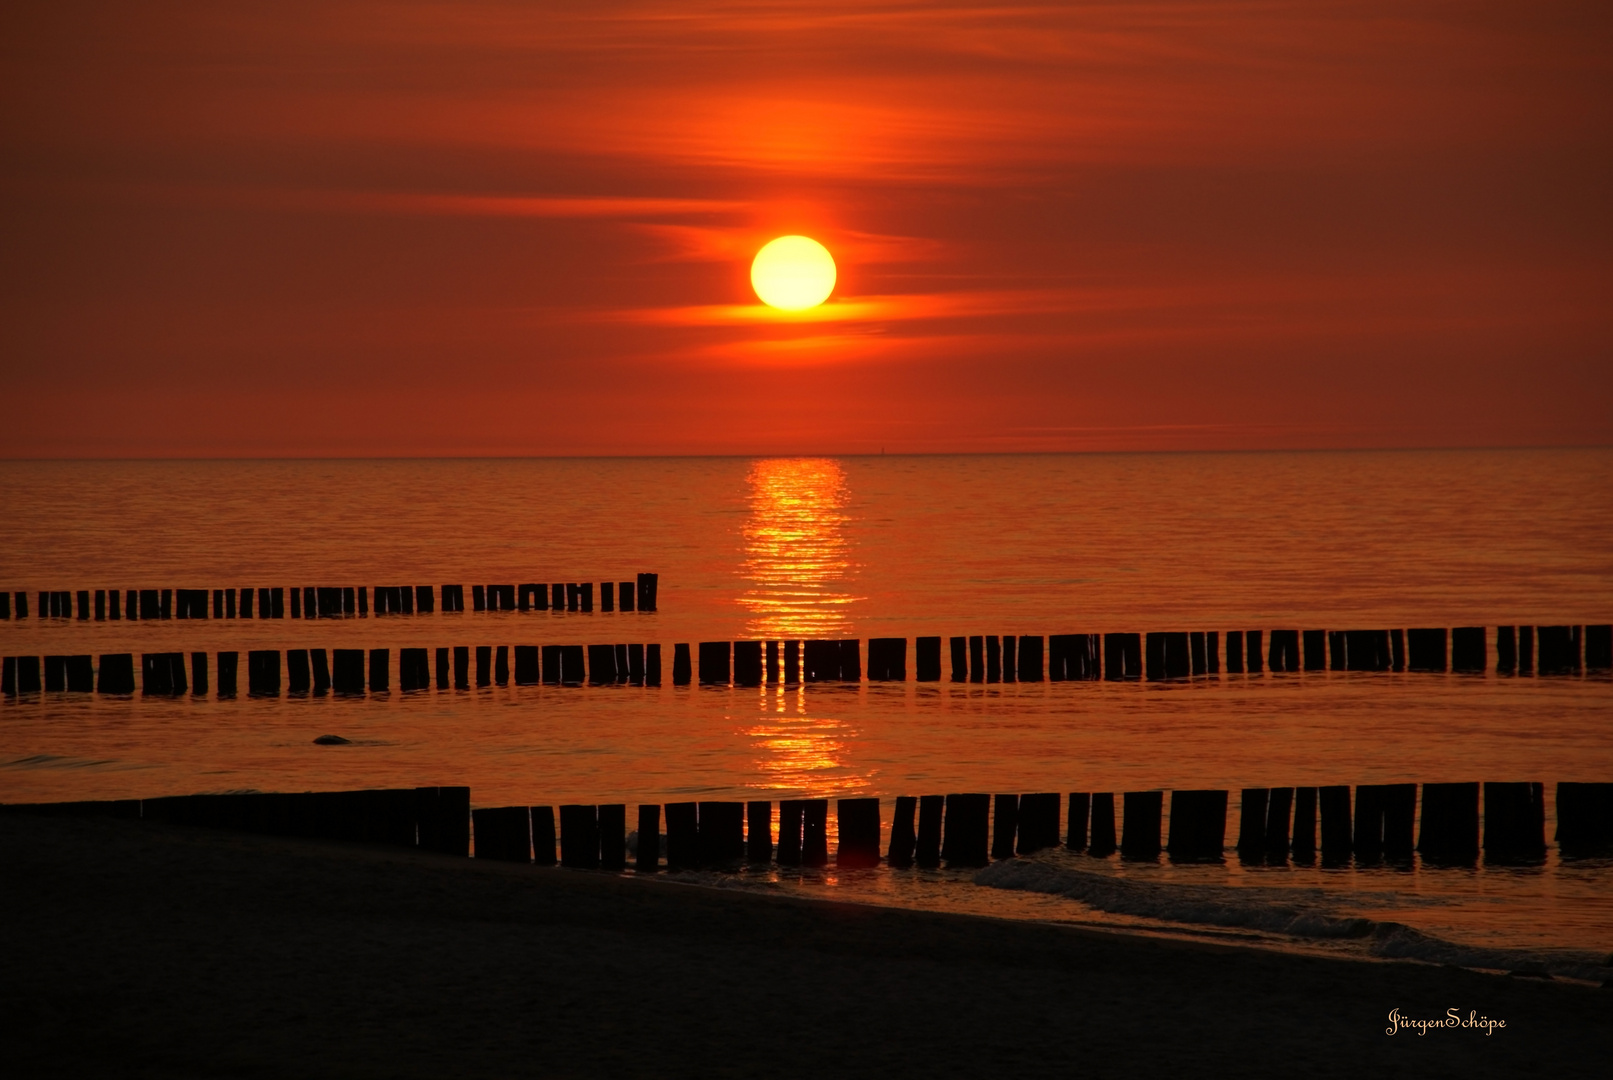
(797, 560)
(797, 568)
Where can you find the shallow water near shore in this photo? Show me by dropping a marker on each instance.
(869, 547)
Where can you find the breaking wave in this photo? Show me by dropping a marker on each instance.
(1302, 917)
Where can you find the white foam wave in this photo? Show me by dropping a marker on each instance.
(1304, 918)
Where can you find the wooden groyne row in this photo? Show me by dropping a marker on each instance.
(342, 671)
(961, 829)
(980, 659)
(320, 602)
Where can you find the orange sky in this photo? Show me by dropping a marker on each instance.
(374, 228)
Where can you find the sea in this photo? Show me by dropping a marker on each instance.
(875, 546)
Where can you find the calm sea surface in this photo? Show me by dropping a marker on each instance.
(872, 547)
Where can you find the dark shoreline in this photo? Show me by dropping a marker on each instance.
(137, 949)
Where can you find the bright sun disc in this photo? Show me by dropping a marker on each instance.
(793, 273)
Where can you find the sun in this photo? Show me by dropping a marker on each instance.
(793, 273)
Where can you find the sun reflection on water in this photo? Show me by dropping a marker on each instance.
(801, 756)
(797, 558)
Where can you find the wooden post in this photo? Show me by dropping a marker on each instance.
(1038, 822)
(648, 858)
(759, 831)
(1102, 844)
(747, 663)
(298, 680)
(927, 844)
(1315, 650)
(1122, 657)
(1234, 652)
(965, 836)
(607, 596)
(1304, 839)
(1198, 826)
(1139, 838)
(977, 659)
(321, 665)
(227, 666)
(1399, 817)
(792, 663)
(543, 836)
(815, 832)
(1514, 821)
(789, 832)
(1278, 804)
(528, 670)
(960, 659)
(648, 588)
(1450, 824)
(851, 668)
(579, 837)
(1599, 647)
(117, 674)
(626, 592)
(1584, 819)
(1425, 650)
(1005, 823)
(263, 673)
(887, 659)
(612, 836)
(652, 665)
(503, 833)
(772, 663)
(682, 836)
(380, 671)
(1334, 803)
(1252, 824)
(1075, 832)
(586, 591)
(859, 833)
(714, 663)
(994, 659)
(722, 834)
(1252, 640)
(680, 666)
(904, 838)
(1010, 658)
(1469, 650)
(1506, 650)
(414, 669)
(927, 659)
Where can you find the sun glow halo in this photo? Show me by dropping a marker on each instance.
(793, 273)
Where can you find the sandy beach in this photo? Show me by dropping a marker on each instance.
(134, 949)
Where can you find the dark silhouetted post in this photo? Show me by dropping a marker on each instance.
(528, 671)
(927, 659)
(1198, 826)
(613, 836)
(1252, 643)
(1450, 823)
(859, 833)
(347, 671)
(380, 671)
(648, 858)
(994, 659)
(904, 837)
(1140, 833)
(1278, 805)
(1038, 822)
(1252, 824)
(1425, 650)
(772, 663)
(960, 659)
(1315, 650)
(117, 674)
(1334, 802)
(298, 674)
(607, 596)
(652, 665)
(626, 592)
(1399, 820)
(977, 659)
(1102, 843)
(1469, 650)
(1506, 650)
(1010, 659)
(501, 666)
(789, 832)
(503, 833)
(714, 663)
(1599, 647)
(815, 832)
(851, 668)
(965, 836)
(792, 663)
(320, 663)
(478, 600)
(747, 663)
(648, 588)
(579, 837)
(1004, 825)
(887, 659)
(1075, 829)
(543, 836)
(759, 831)
(1584, 819)
(227, 666)
(927, 849)
(263, 673)
(680, 664)
(1304, 839)
(1514, 822)
(682, 836)
(722, 833)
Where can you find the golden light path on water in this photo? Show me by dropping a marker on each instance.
(797, 567)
